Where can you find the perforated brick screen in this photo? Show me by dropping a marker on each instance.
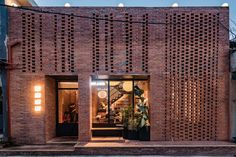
(191, 62)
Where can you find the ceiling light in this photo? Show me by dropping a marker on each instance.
(128, 86)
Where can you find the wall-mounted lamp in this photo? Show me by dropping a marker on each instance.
(37, 95)
(37, 101)
(37, 88)
(37, 98)
(37, 108)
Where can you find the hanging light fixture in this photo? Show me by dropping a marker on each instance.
(128, 86)
(102, 94)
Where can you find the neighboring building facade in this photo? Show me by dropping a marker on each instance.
(20, 2)
(73, 76)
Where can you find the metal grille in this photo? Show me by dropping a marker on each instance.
(191, 62)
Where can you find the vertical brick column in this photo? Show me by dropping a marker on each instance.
(84, 108)
(223, 76)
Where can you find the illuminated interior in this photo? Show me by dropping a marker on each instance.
(68, 102)
(110, 97)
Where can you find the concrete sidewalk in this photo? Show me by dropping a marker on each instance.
(124, 148)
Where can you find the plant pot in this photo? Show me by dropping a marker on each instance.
(132, 135)
(125, 133)
(144, 133)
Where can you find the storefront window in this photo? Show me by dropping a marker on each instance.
(120, 97)
(68, 102)
(140, 92)
(110, 97)
(100, 101)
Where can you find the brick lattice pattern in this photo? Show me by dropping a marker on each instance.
(185, 57)
(192, 76)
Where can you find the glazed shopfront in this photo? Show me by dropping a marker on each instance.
(107, 74)
(110, 98)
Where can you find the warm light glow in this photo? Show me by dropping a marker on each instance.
(175, 5)
(121, 5)
(37, 108)
(67, 4)
(114, 83)
(37, 101)
(128, 86)
(225, 5)
(14, 4)
(37, 88)
(102, 94)
(37, 95)
(99, 83)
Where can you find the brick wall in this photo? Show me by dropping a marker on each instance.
(50, 108)
(188, 46)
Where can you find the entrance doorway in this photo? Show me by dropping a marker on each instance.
(109, 98)
(67, 108)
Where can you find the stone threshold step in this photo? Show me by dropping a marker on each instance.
(113, 128)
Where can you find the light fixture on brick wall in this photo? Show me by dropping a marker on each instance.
(37, 98)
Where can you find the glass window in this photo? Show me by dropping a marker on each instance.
(140, 93)
(67, 102)
(121, 96)
(110, 97)
(100, 101)
(68, 85)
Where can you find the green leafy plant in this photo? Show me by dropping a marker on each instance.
(142, 108)
(126, 115)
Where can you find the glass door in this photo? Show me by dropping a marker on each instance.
(67, 109)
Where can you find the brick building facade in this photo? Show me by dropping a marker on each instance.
(181, 52)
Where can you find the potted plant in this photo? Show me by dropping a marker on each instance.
(130, 123)
(142, 109)
(126, 114)
(133, 128)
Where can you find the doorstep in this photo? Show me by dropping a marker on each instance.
(156, 148)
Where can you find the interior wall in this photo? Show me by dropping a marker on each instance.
(50, 108)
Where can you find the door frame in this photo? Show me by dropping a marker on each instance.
(61, 127)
